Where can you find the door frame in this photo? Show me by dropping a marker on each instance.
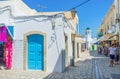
(25, 53)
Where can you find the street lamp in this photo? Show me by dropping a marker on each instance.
(73, 13)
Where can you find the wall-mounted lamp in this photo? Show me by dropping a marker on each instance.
(53, 37)
(53, 24)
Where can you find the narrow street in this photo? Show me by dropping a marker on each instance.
(90, 66)
(42, 39)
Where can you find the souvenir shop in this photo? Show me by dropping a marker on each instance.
(5, 48)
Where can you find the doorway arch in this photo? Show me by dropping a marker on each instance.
(35, 51)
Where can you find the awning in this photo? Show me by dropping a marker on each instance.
(106, 37)
(10, 30)
(111, 37)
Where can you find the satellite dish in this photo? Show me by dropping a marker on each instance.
(41, 7)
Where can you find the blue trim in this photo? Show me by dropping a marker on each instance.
(11, 29)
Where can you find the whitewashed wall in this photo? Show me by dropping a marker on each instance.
(19, 8)
(68, 32)
(54, 48)
(5, 17)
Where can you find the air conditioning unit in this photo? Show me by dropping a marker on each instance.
(117, 17)
(109, 31)
(112, 31)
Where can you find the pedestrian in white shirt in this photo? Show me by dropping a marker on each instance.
(112, 53)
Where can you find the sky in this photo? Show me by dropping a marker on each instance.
(90, 14)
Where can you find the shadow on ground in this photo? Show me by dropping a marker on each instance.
(82, 70)
(115, 76)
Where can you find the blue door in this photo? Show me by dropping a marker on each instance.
(36, 52)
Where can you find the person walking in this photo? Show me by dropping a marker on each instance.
(112, 53)
(117, 55)
(100, 50)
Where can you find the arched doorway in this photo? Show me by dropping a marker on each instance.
(35, 56)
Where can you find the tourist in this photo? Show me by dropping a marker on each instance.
(117, 55)
(112, 53)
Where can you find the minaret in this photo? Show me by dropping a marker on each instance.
(88, 38)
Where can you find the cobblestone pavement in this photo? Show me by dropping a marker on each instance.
(107, 72)
(84, 69)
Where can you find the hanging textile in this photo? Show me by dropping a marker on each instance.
(3, 34)
(8, 53)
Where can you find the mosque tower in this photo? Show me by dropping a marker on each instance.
(88, 38)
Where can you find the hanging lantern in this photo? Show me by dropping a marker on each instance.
(73, 13)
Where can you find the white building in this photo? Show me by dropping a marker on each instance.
(40, 41)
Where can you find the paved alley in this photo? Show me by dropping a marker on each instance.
(59, 39)
(84, 69)
(107, 72)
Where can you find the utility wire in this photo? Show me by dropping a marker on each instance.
(80, 4)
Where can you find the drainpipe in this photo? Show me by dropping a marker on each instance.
(118, 21)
